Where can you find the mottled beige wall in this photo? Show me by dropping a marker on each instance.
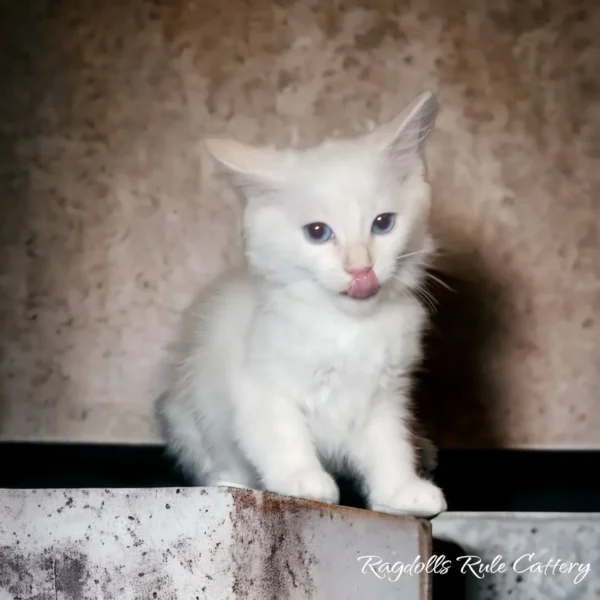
(109, 218)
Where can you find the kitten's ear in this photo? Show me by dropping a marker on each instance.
(402, 139)
(257, 171)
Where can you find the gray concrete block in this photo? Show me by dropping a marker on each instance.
(524, 556)
(211, 543)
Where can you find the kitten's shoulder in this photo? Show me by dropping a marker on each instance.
(231, 292)
(228, 285)
(405, 315)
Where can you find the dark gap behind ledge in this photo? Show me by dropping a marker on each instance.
(474, 480)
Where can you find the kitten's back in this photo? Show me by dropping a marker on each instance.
(218, 319)
(209, 349)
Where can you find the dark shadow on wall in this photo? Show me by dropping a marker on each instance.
(456, 397)
(13, 177)
(28, 73)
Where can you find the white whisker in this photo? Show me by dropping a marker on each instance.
(403, 256)
(421, 295)
(427, 298)
(438, 280)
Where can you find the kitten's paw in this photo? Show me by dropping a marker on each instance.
(308, 484)
(416, 497)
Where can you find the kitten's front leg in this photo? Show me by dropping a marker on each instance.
(386, 459)
(273, 434)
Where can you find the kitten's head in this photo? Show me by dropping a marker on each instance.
(347, 219)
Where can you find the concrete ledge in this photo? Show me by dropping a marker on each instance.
(212, 543)
(521, 556)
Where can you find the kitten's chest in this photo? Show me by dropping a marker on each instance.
(331, 358)
(339, 383)
(336, 361)
(348, 363)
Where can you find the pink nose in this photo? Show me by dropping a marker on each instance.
(364, 282)
(358, 272)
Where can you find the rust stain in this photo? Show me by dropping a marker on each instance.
(280, 525)
(270, 502)
(285, 563)
(425, 551)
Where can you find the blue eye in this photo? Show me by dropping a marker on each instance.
(318, 233)
(383, 223)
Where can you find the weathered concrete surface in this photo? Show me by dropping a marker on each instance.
(547, 555)
(211, 543)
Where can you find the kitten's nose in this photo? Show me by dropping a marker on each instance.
(362, 271)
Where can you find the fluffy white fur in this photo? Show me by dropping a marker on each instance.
(279, 379)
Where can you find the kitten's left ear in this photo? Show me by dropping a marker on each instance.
(402, 139)
(256, 171)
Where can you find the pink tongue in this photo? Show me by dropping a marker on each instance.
(363, 284)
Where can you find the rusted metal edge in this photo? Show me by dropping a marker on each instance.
(270, 498)
(425, 551)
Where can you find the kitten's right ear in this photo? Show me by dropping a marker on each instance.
(256, 171)
(402, 138)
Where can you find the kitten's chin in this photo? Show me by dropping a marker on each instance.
(358, 305)
(362, 297)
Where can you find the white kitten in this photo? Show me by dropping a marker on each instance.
(304, 357)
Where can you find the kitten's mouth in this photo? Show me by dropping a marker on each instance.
(364, 284)
(362, 296)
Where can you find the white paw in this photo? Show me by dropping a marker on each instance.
(308, 484)
(416, 497)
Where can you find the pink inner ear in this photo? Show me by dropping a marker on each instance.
(364, 284)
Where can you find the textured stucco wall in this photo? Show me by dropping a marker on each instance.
(109, 218)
